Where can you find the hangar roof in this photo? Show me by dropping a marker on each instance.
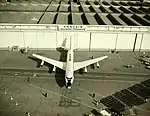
(130, 13)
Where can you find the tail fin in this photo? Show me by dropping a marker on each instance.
(64, 42)
(71, 44)
(63, 46)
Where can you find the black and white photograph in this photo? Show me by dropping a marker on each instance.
(74, 57)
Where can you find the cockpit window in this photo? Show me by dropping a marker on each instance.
(69, 78)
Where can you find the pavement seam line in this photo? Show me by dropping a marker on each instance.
(63, 96)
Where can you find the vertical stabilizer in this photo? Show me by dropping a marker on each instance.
(63, 46)
(64, 42)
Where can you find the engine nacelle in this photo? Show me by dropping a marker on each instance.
(42, 62)
(54, 68)
(97, 64)
(81, 71)
(85, 69)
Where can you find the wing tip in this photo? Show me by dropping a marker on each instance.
(105, 56)
(34, 55)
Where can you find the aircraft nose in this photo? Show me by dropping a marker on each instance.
(69, 83)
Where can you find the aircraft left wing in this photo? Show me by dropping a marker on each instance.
(59, 64)
(79, 65)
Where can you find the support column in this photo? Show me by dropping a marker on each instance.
(135, 42)
(116, 42)
(141, 43)
(90, 42)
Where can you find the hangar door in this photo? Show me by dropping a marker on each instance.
(125, 41)
(39, 39)
(11, 39)
(145, 42)
(83, 40)
(30, 39)
(46, 40)
(103, 41)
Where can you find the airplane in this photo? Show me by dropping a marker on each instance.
(69, 66)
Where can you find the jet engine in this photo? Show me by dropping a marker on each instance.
(81, 71)
(54, 68)
(85, 69)
(92, 66)
(97, 64)
(42, 62)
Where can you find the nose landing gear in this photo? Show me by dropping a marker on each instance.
(69, 84)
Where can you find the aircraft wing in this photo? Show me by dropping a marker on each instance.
(79, 65)
(59, 64)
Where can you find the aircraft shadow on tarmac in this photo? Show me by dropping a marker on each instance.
(59, 73)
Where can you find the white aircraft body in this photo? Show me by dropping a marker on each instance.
(69, 66)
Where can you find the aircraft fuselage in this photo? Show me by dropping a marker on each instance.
(69, 76)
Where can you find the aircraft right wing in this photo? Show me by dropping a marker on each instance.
(59, 64)
(79, 65)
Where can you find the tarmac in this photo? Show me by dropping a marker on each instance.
(23, 85)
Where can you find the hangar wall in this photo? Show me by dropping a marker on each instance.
(31, 39)
(11, 38)
(145, 45)
(91, 38)
(125, 41)
(103, 41)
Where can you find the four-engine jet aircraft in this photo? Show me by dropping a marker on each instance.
(69, 66)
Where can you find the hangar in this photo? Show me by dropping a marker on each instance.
(94, 25)
(86, 37)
